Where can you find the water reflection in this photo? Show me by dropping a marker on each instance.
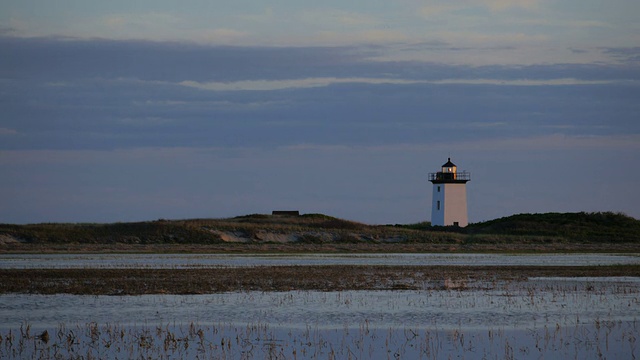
(541, 317)
(504, 304)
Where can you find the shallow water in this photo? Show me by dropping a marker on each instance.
(541, 317)
(519, 304)
(177, 261)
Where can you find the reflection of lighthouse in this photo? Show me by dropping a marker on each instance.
(449, 206)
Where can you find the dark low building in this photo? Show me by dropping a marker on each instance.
(286, 212)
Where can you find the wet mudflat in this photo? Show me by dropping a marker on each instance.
(278, 278)
(321, 312)
(551, 318)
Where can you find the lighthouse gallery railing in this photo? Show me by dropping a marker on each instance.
(464, 175)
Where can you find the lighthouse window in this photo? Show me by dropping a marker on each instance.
(438, 204)
(438, 188)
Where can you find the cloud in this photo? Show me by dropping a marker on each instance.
(160, 155)
(221, 36)
(105, 94)
(146, 20)
(147, 121)
(501, 5)
(478, 39)
(549, 142)
(6, 131)
(554, 142)
(265, 85)
(624, 54)
(266, 16)
(331, 18)
(374, 36)
(143, 25)
(437, 9)
(61, 62)
(522, 82)
(441, 7)
(7, 30)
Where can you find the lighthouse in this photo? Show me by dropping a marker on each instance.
(449, 206)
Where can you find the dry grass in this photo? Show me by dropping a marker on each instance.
(254, 248)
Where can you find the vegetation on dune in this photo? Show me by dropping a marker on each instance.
(548, 228)
(320, 221)
(581, 227)
(132, 233)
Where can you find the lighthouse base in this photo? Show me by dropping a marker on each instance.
(449, 206)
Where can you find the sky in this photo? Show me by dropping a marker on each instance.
(140, 110)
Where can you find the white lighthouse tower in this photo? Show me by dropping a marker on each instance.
(449, 206)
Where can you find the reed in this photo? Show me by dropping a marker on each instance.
(260, 341)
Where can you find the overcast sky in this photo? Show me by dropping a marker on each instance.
(139, 110)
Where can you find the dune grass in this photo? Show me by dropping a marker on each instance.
(570, 232)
